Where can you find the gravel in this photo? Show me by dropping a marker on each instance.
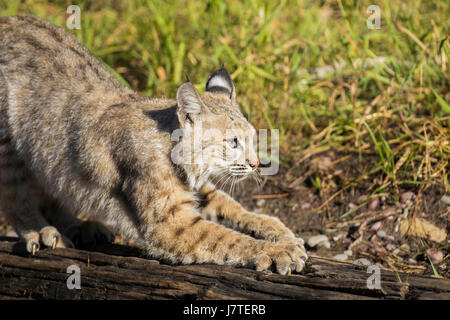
(435, 255)
(446, 200)
(260, 203)
(362, 262)
(351, 206)
(373, 204)
(305, 206)
(340, 257)
(12, 234)
(319, 240)
(376, 226)
(405, 196)
(381, 234)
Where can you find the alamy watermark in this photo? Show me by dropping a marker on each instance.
(374, 20)
(74, 19)
(200, 146)
(74, 280)
(374, 280)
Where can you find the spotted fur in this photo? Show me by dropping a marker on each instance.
(74, 140)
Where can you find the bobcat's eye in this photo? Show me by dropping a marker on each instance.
(233, 142)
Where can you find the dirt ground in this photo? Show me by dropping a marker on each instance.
(403, 229)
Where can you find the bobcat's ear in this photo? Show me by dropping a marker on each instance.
(220, 81)
(190, 106)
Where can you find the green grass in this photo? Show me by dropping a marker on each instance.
(396, 112)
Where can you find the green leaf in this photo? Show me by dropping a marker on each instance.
(262, 73)
(444, 105)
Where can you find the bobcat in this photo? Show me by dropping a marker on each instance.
(74, 139)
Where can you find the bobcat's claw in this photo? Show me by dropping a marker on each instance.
(34, 248)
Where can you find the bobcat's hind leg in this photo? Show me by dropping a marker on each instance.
(31, 226)
(88, 233)
(20, 196)
(82, 233)
(21, 200)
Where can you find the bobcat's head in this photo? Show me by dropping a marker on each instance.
(218, 143)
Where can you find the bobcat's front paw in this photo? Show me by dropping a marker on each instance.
(294, 241)
(277, 232)
(286, 257)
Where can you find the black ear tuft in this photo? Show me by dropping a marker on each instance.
(220, 81)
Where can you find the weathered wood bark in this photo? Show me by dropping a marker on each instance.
(120, 272)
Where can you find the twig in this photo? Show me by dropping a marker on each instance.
(271, 196)
(412, 36)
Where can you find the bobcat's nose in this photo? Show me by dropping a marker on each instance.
(254, 164)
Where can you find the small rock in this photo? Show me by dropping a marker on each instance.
(12, 234)
(362, 198)
(381, 234)
(376, 226)
(315, 240)
(339, 236)
(258, 210)
(340, 256)
(446, 200)
(260, 203)
(351, 206)
(411, 260)
(373, 204)
(381, 251)
(390, 247)
(323, 163)
(348, 253)
(405, 213)
(405, 196)
(374, 239)
(325, 244)
(362, 262)
(435, 255)
(305, 206)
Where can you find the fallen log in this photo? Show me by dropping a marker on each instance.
(121, 272)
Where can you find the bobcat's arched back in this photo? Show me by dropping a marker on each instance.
(74, 140)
